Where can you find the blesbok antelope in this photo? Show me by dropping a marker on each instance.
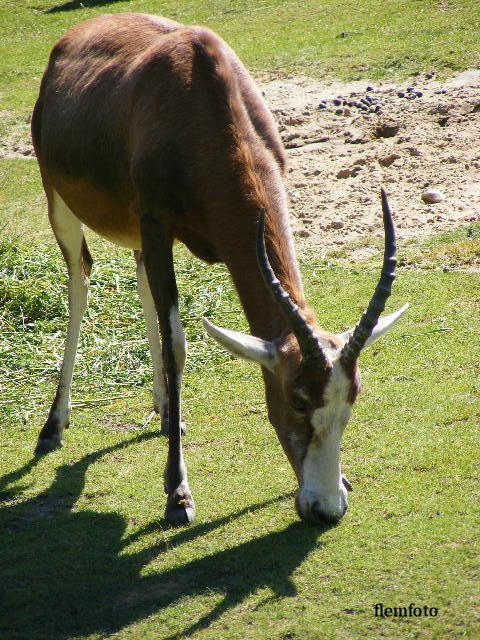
(148, 131)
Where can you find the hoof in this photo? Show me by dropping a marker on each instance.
(45, 445)
(180, 508)
(180, 515)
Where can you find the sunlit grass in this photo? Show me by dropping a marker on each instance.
(86, 522)
(370, 39)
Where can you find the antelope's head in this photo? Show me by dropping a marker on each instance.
(312, 380)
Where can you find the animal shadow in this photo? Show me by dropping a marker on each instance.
(68, 573)
(80, 4)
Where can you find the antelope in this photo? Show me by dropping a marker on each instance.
(147, 132)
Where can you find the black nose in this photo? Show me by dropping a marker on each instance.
(317, 516)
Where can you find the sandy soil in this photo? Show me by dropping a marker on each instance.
(339, 156)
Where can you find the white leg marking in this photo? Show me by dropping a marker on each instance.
(69, 233)
(178, 339)
(179, 347)
(160, 396)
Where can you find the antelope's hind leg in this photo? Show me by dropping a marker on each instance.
(157, 253)
(69, 234)
(160, 391)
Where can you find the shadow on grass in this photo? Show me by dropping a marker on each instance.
(67, 573)
(80, 4)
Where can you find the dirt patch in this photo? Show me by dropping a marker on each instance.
(344, 142)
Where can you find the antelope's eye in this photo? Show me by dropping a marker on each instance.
(300, 404)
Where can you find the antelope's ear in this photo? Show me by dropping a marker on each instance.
(244, 346)
(383, 325)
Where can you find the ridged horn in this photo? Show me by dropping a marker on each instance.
(368, 321)
(310, 347)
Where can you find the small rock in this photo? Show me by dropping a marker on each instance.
(413, 151)
(386, 161)
(349, 173)
(431, 197)
(387, 129)
(401, 94)
(369, 88)
(335, 224)
(441, 109)
(294, 120)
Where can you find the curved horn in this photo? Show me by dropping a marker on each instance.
(310, 347)
(364, 328)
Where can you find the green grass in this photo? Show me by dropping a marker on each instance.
(368, 39)
(85, 552)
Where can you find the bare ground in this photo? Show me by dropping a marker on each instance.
(338, 158)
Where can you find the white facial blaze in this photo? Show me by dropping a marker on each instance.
(321, 480)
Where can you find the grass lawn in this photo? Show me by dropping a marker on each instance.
(85, 553)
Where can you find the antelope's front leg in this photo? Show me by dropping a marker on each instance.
(160, 392)
(158, 257)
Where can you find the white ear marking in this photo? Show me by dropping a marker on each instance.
(383, 325)
(244, 346)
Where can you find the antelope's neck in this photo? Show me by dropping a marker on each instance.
(263, 314)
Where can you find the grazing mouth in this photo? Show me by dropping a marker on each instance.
(315, 513)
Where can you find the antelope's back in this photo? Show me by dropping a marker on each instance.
(128, 95)
(80, 125)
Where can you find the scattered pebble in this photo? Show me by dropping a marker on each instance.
(386, 161)
(387, 129)
(335, 224)
(431, 196)
(413, 151)
(349, 173)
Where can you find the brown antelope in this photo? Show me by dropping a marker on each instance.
(147, 132)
